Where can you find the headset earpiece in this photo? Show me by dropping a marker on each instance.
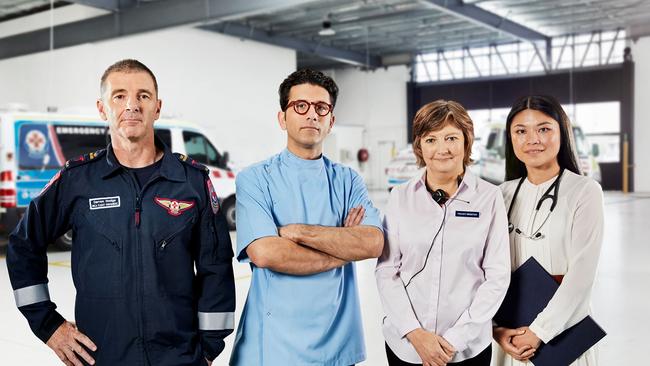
(439, 196)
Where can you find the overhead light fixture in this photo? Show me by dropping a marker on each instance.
(327, 29)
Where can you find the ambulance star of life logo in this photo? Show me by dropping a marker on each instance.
(174, 207)
(36, 143)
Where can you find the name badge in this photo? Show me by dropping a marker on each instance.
(104, 202)
(473, 214)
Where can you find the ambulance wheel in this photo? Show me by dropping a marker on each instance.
(228, 207)
(64, 243)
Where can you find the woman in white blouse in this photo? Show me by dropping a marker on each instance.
(445, 267)
(556, 216)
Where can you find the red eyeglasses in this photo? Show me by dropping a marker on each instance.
(302, 107)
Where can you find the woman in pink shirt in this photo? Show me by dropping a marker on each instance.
(445, 267)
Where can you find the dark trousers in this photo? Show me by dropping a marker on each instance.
(482, 359)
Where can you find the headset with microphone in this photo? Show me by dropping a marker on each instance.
(439, 196)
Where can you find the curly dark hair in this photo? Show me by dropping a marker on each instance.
(307, 76)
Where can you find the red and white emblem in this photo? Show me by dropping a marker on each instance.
(35, 141)
(174, 207)
(214, 200)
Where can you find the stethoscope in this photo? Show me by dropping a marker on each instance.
(536, 235)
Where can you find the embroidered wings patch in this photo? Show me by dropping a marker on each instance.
(174, 207)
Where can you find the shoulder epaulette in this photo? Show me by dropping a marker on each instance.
(191, 162)
(84, 159)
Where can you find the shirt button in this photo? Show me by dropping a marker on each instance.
(268, 314)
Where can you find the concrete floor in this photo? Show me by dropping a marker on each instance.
(620, 302)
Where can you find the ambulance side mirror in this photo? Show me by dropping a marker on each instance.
(595, 150)
(225, 158)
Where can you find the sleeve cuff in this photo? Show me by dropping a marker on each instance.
(212, 348)
(368, 221)
(49, 326)
(408, 327)
(540, 332)
(455, 339)
(242, 256)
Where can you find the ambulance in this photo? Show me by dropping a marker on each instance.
(35, 146)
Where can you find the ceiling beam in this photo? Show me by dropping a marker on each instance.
(112, 5)
(305, 46)
(147, 16)
(488, 19)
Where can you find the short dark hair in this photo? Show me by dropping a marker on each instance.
(548, 105)
(434, 116)
(127, 65)
(307, 76)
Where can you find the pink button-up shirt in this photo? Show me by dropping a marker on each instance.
(467, 272)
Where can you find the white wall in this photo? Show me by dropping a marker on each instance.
(641, 56)
(226, 85)
(375, 100)
(45, 19)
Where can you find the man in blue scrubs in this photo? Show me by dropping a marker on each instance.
(302, 221)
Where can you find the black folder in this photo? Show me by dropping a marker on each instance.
(531, 288)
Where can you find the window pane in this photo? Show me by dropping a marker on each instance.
(216, 159)
(195, 146)
(581, 144)
(78, 140)
(608, 147)
(602, 117)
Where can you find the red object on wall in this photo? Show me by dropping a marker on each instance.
(363, 155)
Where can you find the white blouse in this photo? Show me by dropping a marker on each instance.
(570, 246)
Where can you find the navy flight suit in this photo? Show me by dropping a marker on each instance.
(134, 253)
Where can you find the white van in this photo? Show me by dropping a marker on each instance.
(34, 146)
(493, 156)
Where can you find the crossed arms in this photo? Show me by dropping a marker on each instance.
(308, 249)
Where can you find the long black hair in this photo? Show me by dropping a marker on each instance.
(548, 105)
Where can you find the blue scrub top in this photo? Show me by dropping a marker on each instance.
(298, 320)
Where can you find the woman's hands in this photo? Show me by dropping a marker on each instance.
(433, 349)
(520, 343)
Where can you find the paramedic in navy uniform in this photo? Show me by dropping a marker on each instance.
(142, 219)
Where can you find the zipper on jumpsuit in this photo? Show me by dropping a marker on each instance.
(138, 274)
(137, 221)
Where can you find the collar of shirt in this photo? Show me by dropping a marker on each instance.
(542, 186)
(468, 184)
(171, 168)
(293, 161)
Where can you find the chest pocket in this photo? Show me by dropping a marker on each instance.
(174, 257)
(97, 263)
(473, 228)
